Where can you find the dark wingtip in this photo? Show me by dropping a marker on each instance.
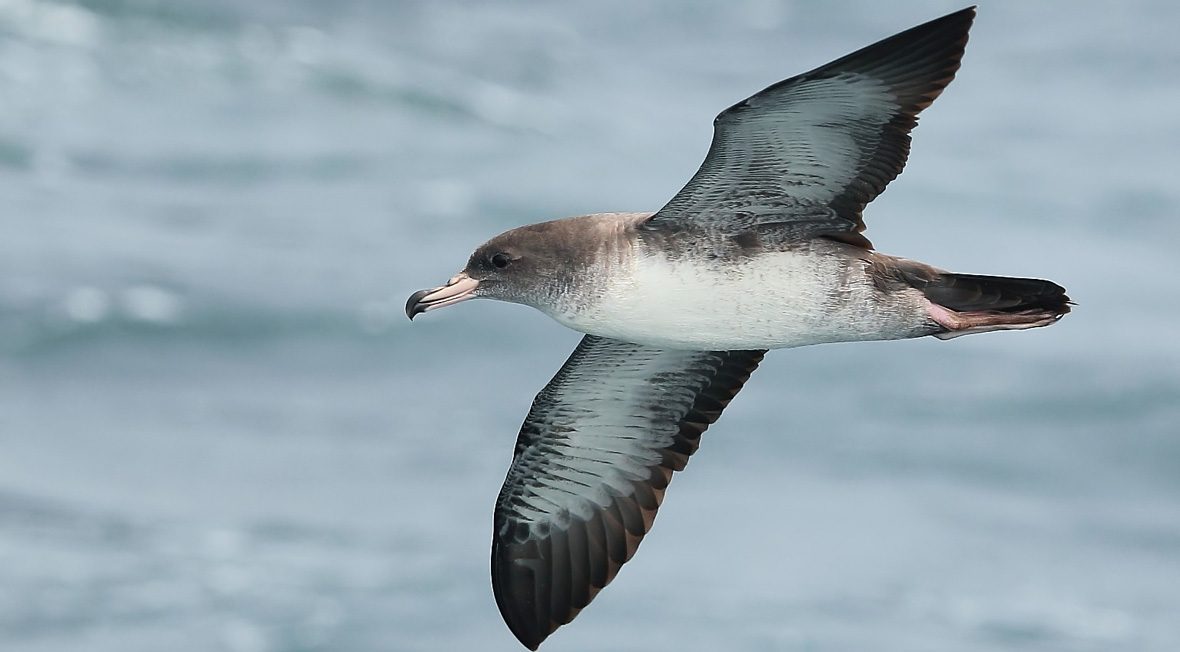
(529, 639)
(515, 588)
(532, 595)
(413, 305)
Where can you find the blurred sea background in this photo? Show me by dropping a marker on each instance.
(219, 432)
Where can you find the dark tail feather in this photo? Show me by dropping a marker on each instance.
(974, 293)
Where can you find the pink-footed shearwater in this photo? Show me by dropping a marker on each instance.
(762, 249)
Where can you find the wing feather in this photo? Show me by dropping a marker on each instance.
(592, 461)
(803, 157)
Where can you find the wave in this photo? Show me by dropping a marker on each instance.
(89, 318)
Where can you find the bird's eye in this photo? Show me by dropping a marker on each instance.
(501, 260)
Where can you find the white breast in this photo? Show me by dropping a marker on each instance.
(770, 300)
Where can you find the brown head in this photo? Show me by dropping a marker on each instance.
(533, 265)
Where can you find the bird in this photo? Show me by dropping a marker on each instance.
(762, 249)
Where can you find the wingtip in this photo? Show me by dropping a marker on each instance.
(966, 13)
(529, 642)
(514, 588)
(529, 638)
(957, 22)
(962, 20)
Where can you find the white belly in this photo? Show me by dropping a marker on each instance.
(768, 301)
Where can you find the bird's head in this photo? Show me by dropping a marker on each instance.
(530, 265)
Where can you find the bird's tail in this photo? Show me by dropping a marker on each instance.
(967, 303)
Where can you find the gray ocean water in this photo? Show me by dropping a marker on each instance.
(219, 432)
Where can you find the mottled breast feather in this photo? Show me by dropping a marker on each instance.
(592, 461)
(806, 155)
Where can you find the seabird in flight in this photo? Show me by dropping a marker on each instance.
(762, 249)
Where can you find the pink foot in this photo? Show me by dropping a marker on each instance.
(966, 323)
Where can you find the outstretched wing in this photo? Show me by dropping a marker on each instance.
(592, 461)
(807, 154)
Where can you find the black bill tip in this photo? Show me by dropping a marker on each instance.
(414, 305)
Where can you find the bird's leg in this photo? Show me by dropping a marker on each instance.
(966, 323)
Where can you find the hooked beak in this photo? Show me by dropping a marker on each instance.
(461, 287)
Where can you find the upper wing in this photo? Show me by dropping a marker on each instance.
(592, 461)
(808, 153)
